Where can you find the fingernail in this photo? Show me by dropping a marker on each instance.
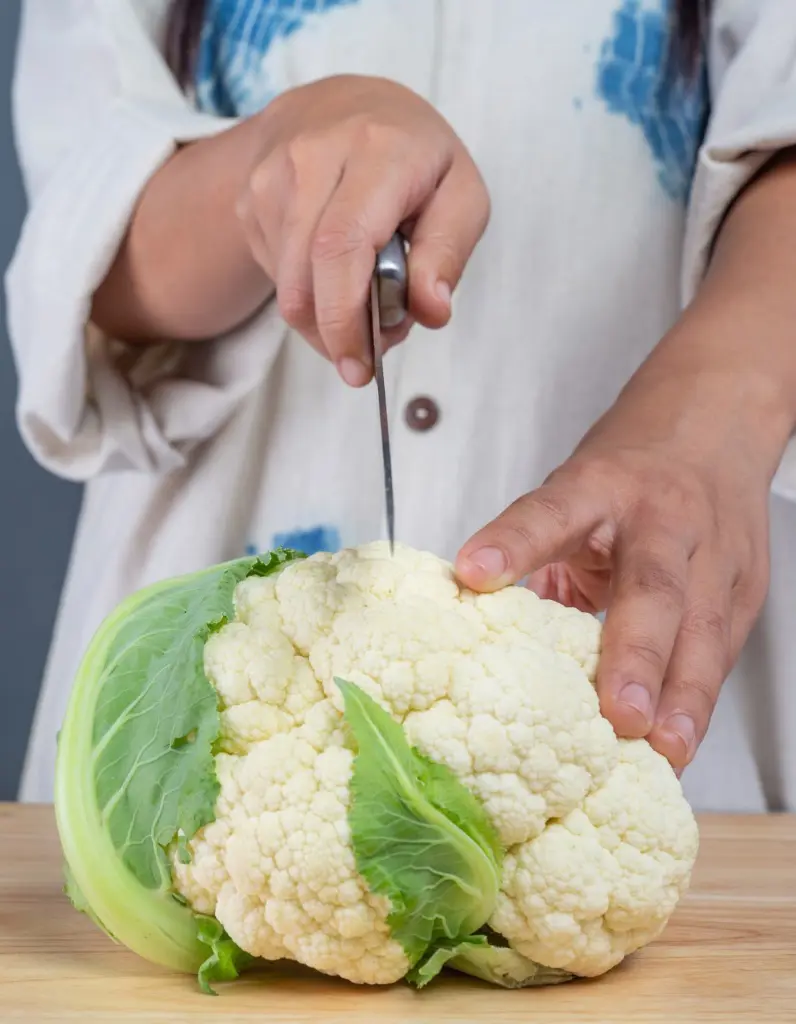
(443, 290)
(353, 372)
(637, 697)
(682, 728)
(491, 562)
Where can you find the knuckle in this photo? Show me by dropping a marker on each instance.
(338, 240)
(648, 651)
(688, 691)
(706, 624)
(551, 506)
(677, 493)
(334, 320)
(750, 589)
(530, 520)
(261, 179)
(303, 152)
(295, 305)
(568, 474)
(654, 579)
(445, 253)
(381, 136)
(519, 534)
(597, 474)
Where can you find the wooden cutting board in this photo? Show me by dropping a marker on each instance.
(729, 954)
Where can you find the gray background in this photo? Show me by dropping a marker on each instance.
(37, 512)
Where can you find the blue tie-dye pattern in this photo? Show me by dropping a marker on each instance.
(310, 542)
(634, 81)
(318, 538)
(236, 36)
(632, 78)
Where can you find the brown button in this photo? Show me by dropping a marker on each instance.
(421, 414)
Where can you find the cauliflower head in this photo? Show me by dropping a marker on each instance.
(395, 773)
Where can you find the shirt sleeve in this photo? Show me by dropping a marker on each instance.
(752, 77)
(96, 113)
(752, 80)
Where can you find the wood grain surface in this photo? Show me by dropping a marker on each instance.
(729, 954)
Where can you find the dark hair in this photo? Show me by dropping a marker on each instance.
(186, 17)
(182, 38)
(691, 22)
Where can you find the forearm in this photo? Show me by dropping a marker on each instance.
(736, 344)
(184, 269)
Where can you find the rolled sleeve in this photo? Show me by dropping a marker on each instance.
(752, 70)
(96, 114)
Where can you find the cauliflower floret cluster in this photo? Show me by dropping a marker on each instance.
(599, 839)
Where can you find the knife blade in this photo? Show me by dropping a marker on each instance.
(387, 309)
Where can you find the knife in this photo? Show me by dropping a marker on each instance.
(387, 309)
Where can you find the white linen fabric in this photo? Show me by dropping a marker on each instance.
(609, 182)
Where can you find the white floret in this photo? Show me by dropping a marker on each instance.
(277, 870)
(263, 685)
(604, 881)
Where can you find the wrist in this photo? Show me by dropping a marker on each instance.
(748, 341)
(720, 378)
(744, 316)
(185, 270)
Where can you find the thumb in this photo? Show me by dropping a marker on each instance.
(443, 239)
(545, 526)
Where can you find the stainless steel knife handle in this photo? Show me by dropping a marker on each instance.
(392, 281)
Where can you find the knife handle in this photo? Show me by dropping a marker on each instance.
(391, 277)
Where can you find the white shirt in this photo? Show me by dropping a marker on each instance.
(195, 452)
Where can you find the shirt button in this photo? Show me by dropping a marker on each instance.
(421, 414)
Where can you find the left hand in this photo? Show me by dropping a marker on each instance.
(660, 515)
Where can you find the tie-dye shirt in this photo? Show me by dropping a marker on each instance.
(633, 67)
(605, 207)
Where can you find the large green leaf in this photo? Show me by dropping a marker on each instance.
(135, 769)
(419, 836)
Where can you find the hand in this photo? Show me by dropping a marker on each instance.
(344, 163)
(660, 515)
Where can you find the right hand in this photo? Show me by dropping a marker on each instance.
(344, 163)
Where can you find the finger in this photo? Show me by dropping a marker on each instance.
(254, 234)
(647, 601)
(443, 240)
(542, 527)
(263, 220)
(380, 187)
(313, 182)
(698, 667)
(556, 583)
(543, 583)
(747, 597)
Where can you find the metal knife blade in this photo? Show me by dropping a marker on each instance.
(388, 308)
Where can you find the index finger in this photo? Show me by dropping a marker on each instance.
(378, 190)
(544, 526)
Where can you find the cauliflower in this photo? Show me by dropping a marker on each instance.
(350, 762)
